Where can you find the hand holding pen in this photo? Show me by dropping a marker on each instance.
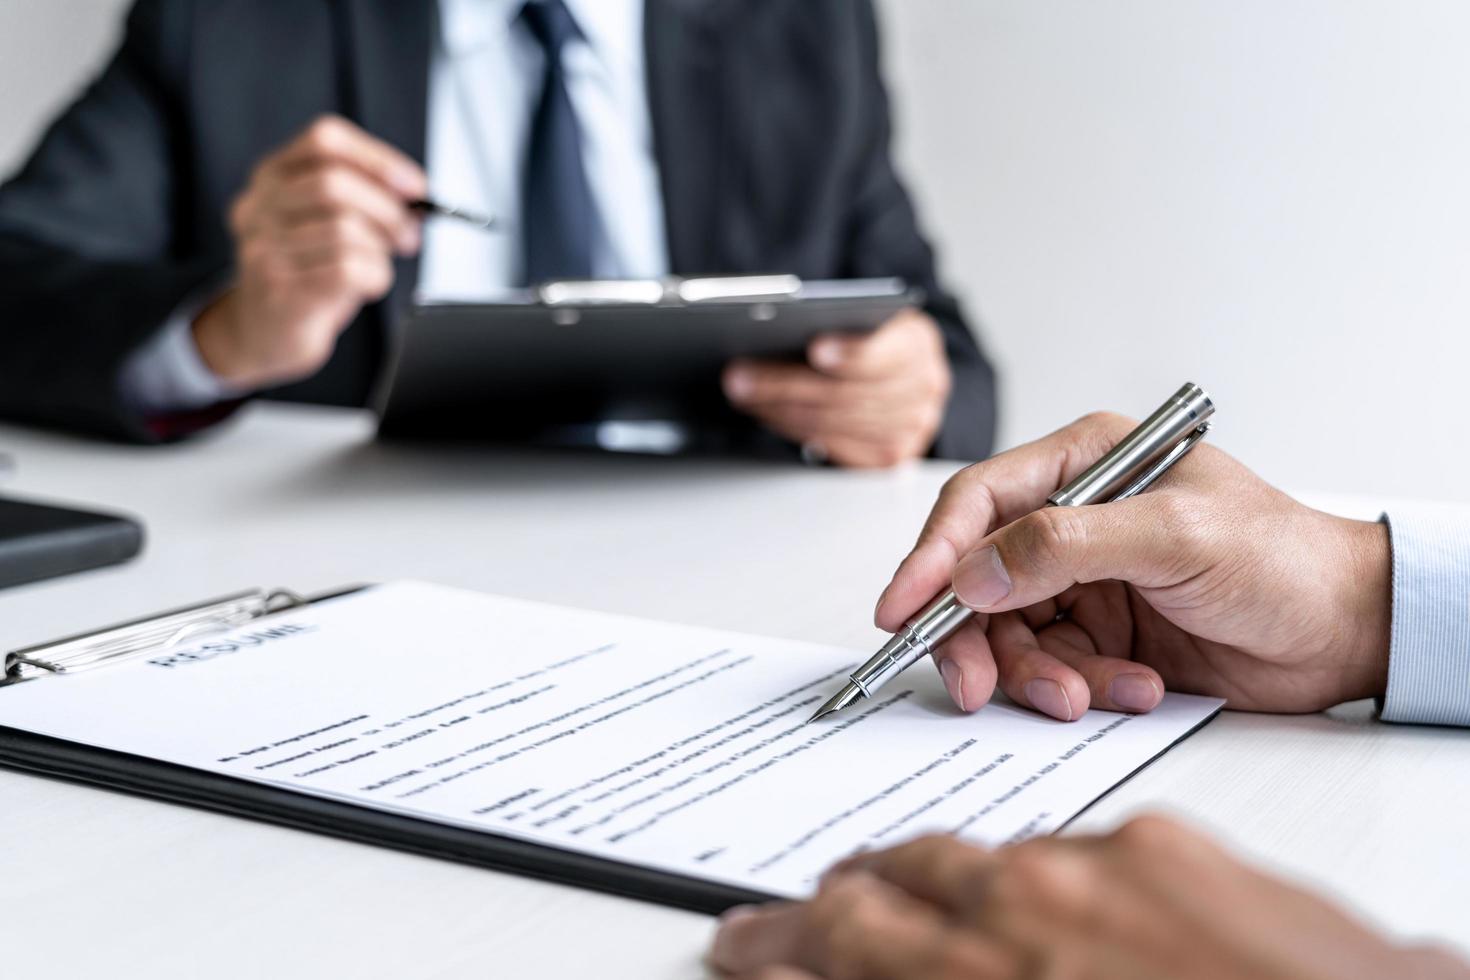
(1213, 582)
(1122, 470)
(316, 233)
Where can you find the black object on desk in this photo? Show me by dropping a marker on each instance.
(551, 365)
(41, 541)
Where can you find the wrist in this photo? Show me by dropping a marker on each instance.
(1367, 606)
(216, 334)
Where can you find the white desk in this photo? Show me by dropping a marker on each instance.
(96, 883)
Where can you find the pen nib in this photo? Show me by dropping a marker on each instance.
(838, 701)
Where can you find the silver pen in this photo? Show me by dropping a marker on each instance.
(1128, 468)
(428, 206)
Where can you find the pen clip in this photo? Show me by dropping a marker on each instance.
(1147, 478)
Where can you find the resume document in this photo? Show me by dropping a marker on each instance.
(673, 747)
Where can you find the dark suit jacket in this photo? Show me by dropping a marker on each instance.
(771, 131)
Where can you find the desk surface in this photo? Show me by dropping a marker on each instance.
(95, 883)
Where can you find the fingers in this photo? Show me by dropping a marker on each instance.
(339, 256)
(967, 666)
(777, 973)
(339, 193)
(321, 240)
(859, 927)
(1058, 673)
(938, 869)
(1113, 683)
(1031, 676)
(333, 140)
(857, 423)
(1151, 541)
(988, 495)
(908, 338)
(756, 383)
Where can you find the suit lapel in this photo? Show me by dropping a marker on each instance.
(384, 78)
(684, 94)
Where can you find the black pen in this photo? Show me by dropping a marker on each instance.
(485, 222)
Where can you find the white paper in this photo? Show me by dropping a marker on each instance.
(668, 746)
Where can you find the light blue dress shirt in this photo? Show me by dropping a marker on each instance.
(484, 77)
(1429, 649)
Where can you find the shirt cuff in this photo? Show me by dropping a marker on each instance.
(167, 374)
(1429, 647)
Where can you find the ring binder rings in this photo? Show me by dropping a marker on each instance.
(151, 634)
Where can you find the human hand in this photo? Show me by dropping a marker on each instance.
(1150, 901)
(315, 234)
(869, 401)
(1212, 582)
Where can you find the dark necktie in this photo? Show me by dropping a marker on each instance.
(559, 215)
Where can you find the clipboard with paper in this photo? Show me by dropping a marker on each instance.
(546, 366)
(665, 762)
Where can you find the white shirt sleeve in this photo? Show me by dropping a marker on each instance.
(1429, 646)
(167, 374)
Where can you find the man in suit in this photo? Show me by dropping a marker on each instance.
(225, 212)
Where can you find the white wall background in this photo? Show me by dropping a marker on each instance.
(1270, 197)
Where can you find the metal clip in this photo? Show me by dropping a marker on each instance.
(1147, 478)
(153, 634)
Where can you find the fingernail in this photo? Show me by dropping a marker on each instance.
(981, 580)
(954, 682)
(1134, 692)
(1048, 697)
(738, 384)
(827, 353)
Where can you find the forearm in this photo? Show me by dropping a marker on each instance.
(71, 324)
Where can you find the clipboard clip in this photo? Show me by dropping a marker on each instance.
(152, 634)
(673, 291)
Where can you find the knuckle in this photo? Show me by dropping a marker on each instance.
(311, 349)
(854, 912)
(239, 215)
(1113, 424)
(342, 229)
(323, 132)
(835, 905)
(380, 279)
(1051, 536)
(1046, 877)
(255, 253)
(330, 185)
(1153, 834)
(338, 274)
(962, 483)
(1182, 517)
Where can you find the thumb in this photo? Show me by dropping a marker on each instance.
(1141, 541)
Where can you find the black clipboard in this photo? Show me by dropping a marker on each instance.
(546, 365)
(142, 776)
